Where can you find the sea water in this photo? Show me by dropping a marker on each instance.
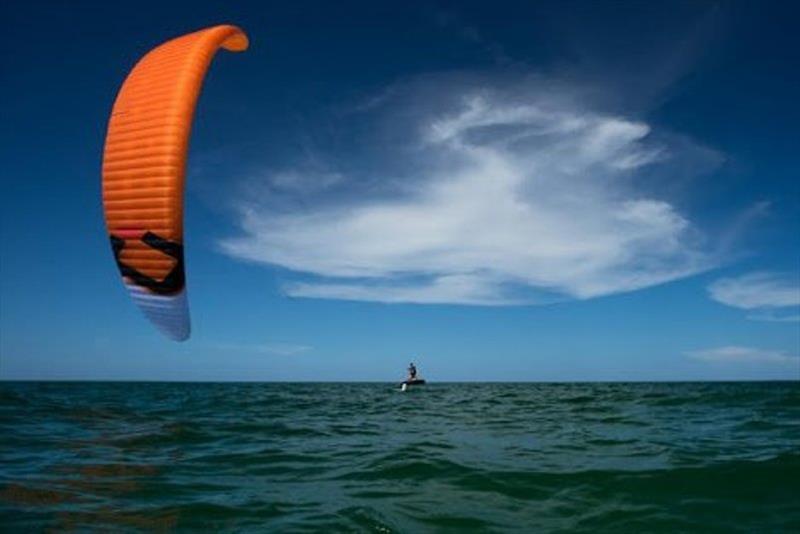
(364, 457)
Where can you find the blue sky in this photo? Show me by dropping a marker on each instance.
(499, 191)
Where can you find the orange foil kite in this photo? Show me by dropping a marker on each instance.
(144, 170)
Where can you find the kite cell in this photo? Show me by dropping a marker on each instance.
(144, 169)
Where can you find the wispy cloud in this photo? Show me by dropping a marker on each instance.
(274, 349)
(452, 21)
(775, 316)
(494, 195)
(771, 296)
(736, 354)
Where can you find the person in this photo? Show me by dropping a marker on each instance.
(412, 371)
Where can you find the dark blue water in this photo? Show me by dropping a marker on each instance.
(706, 457)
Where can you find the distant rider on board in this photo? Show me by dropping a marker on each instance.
(412, 372)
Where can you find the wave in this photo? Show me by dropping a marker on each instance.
(362, 457)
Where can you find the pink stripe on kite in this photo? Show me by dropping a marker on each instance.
(130, 233)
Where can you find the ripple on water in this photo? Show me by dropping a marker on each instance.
(364, 457)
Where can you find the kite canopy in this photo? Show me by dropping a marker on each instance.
(144, 166)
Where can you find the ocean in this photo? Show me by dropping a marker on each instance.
(364, 457)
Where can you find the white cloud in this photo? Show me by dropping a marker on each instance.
(273, 349)
(735, 354)
(771, 295)
(775, 316)
(511, 197)
(304, 182)
(445, 289)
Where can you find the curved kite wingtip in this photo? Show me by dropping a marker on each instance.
(237, 41)
(182, 338)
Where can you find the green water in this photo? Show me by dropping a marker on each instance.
(705, 457)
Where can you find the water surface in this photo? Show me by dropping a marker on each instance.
(606, 457)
